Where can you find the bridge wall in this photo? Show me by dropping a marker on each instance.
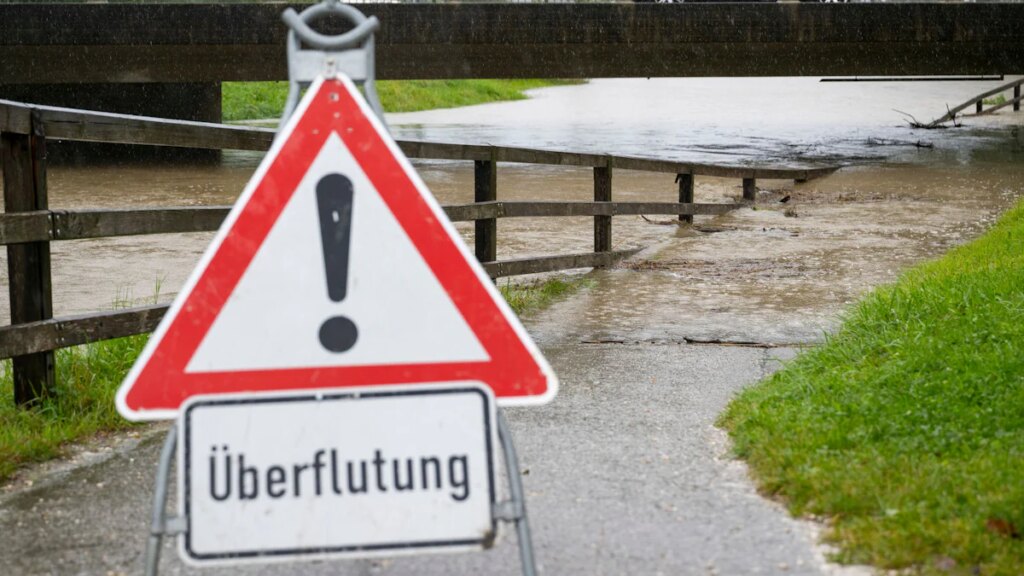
(168, 60)
(135, 43)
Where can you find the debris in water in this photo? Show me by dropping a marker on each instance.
(934, 124)
(887, 142)
(662, 222)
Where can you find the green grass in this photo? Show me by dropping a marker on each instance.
(415, 95)
(252, 100)
(527, 298)
(906, 428)
(82, 405)
(1000, 99)
(88, 378)
(260, 100)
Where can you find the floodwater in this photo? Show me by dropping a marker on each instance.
(779, 273)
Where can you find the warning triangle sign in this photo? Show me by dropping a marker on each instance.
(335, 268)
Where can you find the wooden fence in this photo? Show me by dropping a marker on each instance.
(979, 103)
(28, 225)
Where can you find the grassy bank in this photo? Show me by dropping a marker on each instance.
(88, 378)
(259, 100)
(906, 429)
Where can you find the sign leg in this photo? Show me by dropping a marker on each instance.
(157, 527)
(515, 485)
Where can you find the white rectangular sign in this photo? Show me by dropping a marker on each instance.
(349, 472)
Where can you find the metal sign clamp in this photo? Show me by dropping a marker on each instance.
(351, 53)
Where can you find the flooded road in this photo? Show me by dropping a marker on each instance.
(779, 273)
(625, 472)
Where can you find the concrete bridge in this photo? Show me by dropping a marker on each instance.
(71, 54)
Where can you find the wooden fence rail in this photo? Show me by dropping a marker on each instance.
(28, 225)
(86, 126)
(56, 225)
(979, 103)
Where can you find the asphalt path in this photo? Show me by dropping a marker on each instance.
(625, 473)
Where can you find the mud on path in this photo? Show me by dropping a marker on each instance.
(783, 271)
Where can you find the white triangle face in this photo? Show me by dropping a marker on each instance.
(273, 317)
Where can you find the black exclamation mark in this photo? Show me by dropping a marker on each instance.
(334, 202)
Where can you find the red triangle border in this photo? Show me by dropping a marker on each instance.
(159, 384)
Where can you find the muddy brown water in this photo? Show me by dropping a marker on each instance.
(779, 273)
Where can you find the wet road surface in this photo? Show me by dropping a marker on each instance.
(624, 473)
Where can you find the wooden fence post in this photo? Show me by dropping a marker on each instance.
(1016, 98)
(685, 194)
(485, 188)
(23, 157)
(603, 193)
(750, 189)
(978, 106)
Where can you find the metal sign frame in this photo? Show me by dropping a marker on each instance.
(351, 54)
